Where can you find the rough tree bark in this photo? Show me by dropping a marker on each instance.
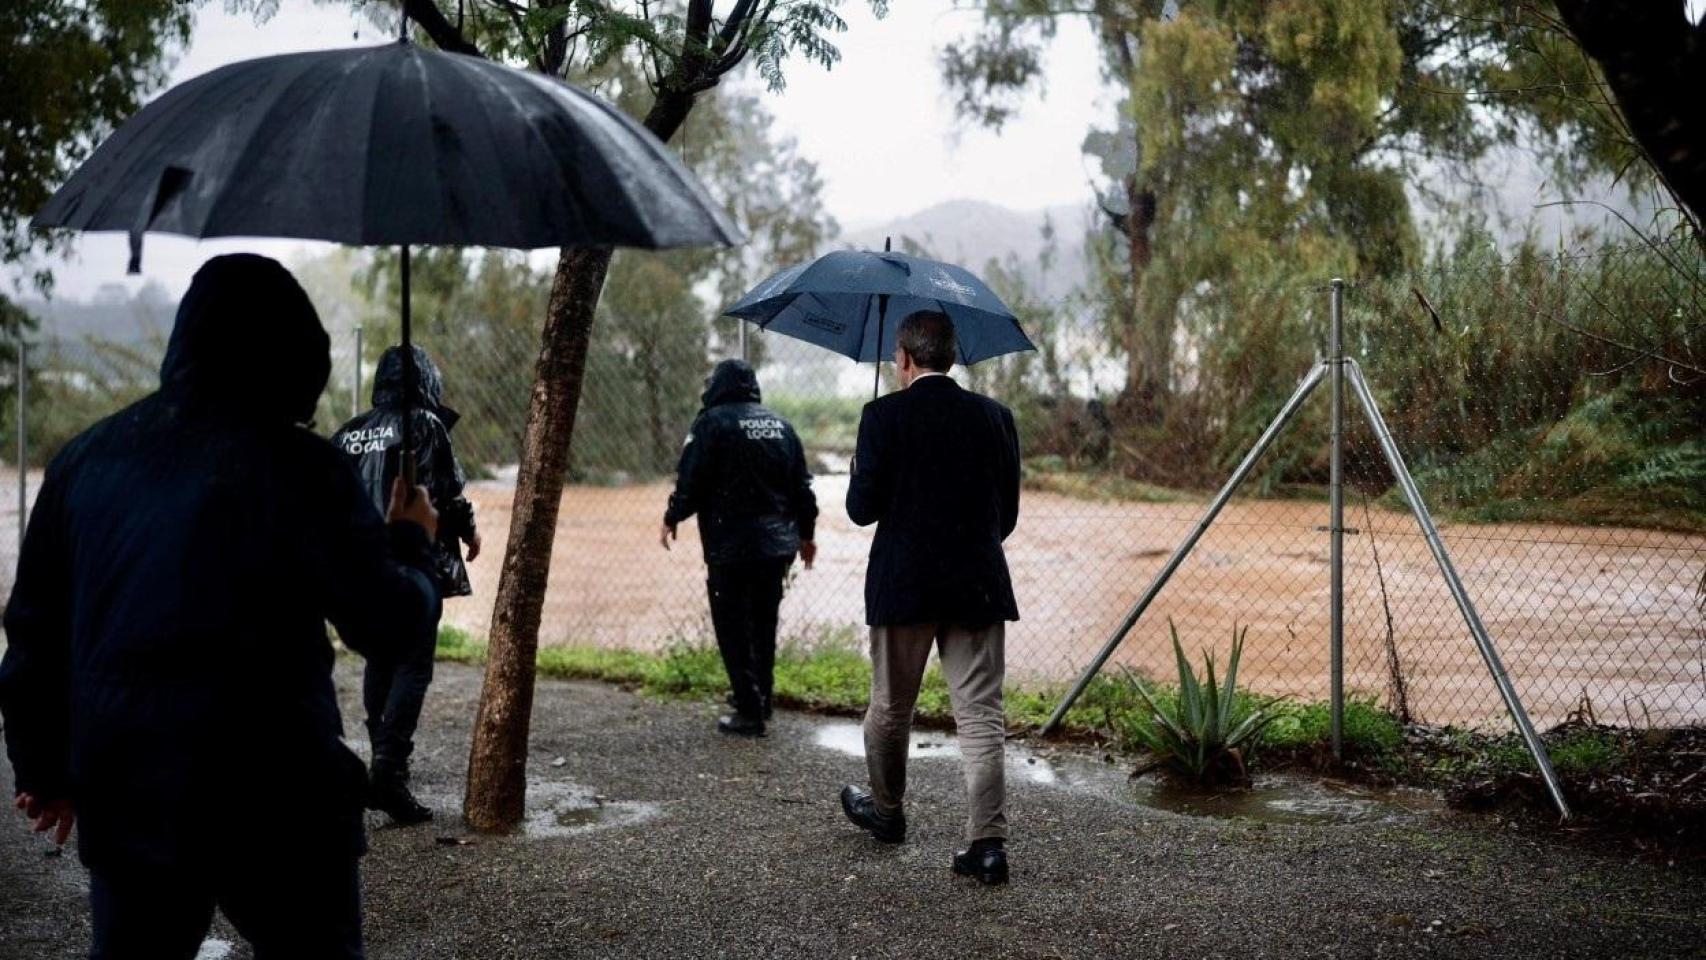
(1149, 344)
(497, 762)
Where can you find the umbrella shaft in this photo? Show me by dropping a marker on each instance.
(411, 377)
(882, 317)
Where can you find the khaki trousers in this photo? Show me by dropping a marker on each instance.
(974, 664)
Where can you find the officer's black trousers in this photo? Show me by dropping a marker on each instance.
(394, 691)
(744, 598)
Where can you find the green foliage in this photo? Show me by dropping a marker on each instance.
(825, 422)
(831, 673)
(1053, 474)
(458, 645)
(1367, 730)
(479, 314)
(1516, 405)
(72, 385)
(1260, 141)
(1203, 731)
(1586, 753)
(72, 71)
(1578, 753)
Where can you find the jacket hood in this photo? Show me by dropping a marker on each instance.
(247, 336)
(428, 386)
(731, 381)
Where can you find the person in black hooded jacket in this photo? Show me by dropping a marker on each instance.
(167, 679)
(394, 689)
(743, 471)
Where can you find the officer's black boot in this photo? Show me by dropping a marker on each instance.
(730, 700)
(741, 725)
(388, 792)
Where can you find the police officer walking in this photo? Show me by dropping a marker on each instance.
(743, 471)
(394, 688)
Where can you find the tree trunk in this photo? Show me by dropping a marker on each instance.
(1148, 341)
(497, 762)
(653, 381)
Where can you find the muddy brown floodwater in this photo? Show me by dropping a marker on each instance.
(1606, 613)
(1609, 613)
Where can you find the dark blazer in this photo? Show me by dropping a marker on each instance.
(937, 469)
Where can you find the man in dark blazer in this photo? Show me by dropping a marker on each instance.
(937, 469)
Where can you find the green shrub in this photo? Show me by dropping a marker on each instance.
(457, 644)
(1203, 731)
(1368, 729)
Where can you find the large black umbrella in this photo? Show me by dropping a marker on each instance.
(390, 145)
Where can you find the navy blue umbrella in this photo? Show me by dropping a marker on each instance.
(852, 302)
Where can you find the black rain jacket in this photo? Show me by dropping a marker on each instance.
(743, 471)
(167, 667)
(373, 440)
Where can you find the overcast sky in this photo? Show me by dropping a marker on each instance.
(880, 125)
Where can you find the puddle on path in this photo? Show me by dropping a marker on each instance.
(561, 809)
(555, 809)
(849, 738)
(1276, 798)
(1287, 799)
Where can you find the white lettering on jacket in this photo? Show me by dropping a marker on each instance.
(762, 428)
(366, 440)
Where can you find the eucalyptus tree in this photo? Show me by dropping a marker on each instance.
(683, 50)
(1274, 137)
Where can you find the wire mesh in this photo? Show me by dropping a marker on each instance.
(1551, 409)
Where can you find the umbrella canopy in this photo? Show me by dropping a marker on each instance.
(852, 302)
(388, 145)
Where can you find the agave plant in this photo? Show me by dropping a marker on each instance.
(1206, 734)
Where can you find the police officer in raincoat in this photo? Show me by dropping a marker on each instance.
(167, 687)
(743, 471)
(394, 688)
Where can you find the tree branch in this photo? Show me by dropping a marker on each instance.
(443, 33)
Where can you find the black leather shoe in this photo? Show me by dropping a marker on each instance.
(738, 725)
(988, 866)
(862, 810)
(392, 798)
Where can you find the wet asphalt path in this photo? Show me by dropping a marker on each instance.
(655, 838)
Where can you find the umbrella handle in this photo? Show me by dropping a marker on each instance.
(882, 316)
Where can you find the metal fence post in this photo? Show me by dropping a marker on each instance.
(1304, 388)
(1336, 495)
(355, 390)
(1459, 593)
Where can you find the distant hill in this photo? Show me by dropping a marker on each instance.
(113, 315)
(972, 232)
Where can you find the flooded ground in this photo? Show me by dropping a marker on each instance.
(1607, 612)
(1273, 798)
(745, 852)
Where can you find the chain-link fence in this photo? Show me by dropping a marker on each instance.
(1551, 409)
